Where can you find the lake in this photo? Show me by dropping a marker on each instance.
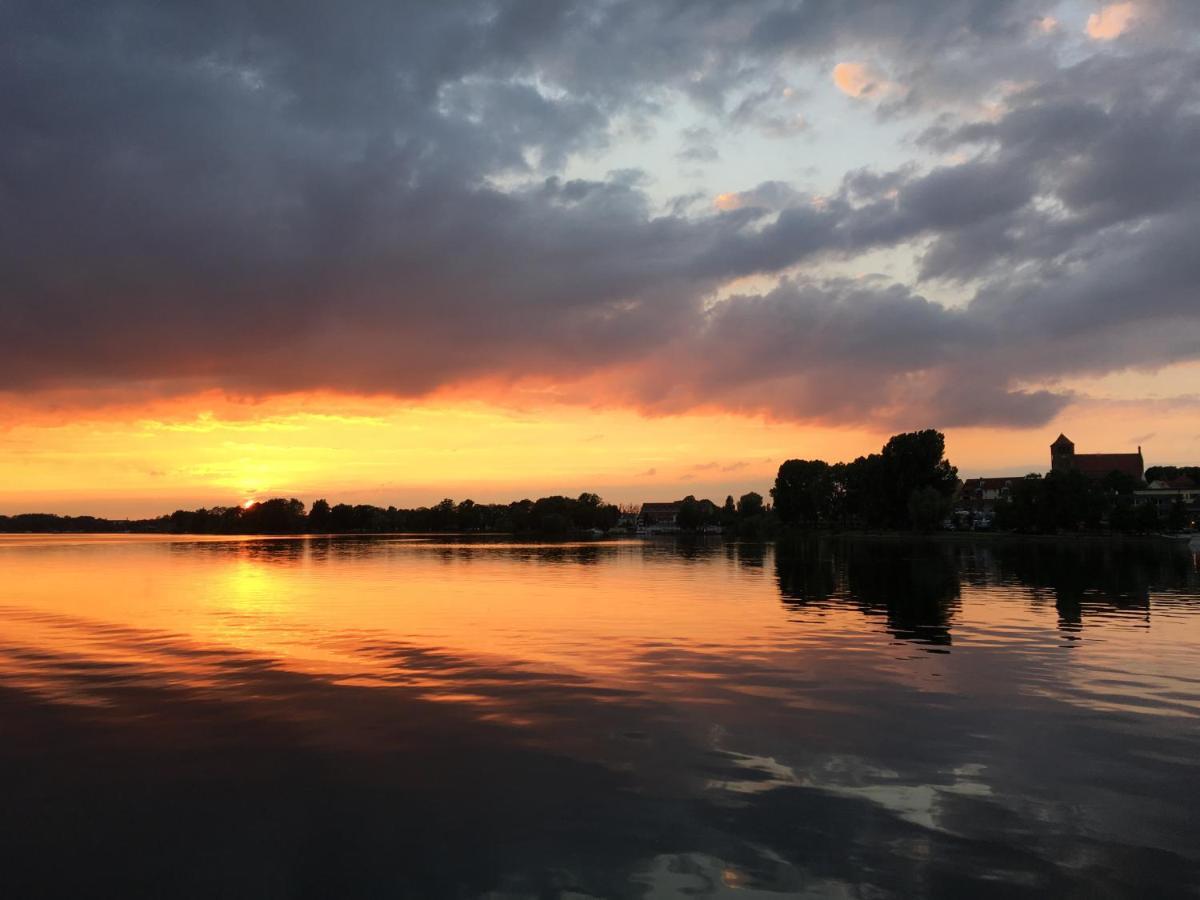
(429, 717)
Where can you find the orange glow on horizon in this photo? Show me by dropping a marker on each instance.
(211, 450)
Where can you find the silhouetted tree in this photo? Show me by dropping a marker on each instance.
(750, 505)
(804, 492)
(318, 516)
(910, 462)
(689, 517)
(274, 516)
(1170, 473)
(864, 499)
(927, 507)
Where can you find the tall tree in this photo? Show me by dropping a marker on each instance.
(910, 462)
(690, 516)
(749, 505)
(318, 516)
(804, 492)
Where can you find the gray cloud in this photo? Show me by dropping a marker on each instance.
(231, 195)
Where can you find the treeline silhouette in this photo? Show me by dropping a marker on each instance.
(547, 515)
(1170, 473)
(49, 522)
(908, 483)
(749, 517)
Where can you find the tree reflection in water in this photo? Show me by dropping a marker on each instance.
(914, 584)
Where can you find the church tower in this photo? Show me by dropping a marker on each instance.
(1062, 454)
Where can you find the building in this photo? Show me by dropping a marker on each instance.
(1163, 495)
(1063, 458)
(986, 491)
(659, 516)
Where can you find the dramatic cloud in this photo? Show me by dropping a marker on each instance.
(376, 198)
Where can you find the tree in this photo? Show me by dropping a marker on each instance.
(1170, 473)
(1073, 501)
(1119, 483)
(468, 516)
(909, 462)
(585, 511)
(689, 517)
(1022, 510)
(318, 516)
(750, 505)
(728, 514)
(804, 492)
(927, 507)
(443, 516)
(555, 524)
(274, 516)
(863, 491)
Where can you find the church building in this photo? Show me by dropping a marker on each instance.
(1063, 458)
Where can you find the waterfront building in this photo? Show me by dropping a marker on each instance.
(660, 516)
(1063, 458)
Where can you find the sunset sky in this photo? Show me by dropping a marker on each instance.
(392, 252)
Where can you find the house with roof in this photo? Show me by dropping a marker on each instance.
(1063, 458)
(986, 491)
(659, 516)
(1165, 494)
(977, 499)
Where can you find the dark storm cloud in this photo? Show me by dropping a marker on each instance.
(368, 197)
(841, 349)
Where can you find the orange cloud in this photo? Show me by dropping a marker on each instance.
(859, 80)
(726, 202)
(1110, 22)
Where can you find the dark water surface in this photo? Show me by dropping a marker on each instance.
(399, 717)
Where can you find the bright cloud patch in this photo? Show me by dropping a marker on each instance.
(864, 82)
(1111, 22)
(855, 79)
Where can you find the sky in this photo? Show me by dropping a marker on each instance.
(383, 252)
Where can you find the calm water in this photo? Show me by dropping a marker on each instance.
(398, 717)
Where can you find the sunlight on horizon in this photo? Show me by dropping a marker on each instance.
(149, 462)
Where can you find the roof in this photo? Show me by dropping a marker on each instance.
(660, 507)
(1100, 464)
(1062, 440)
(991, 484)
